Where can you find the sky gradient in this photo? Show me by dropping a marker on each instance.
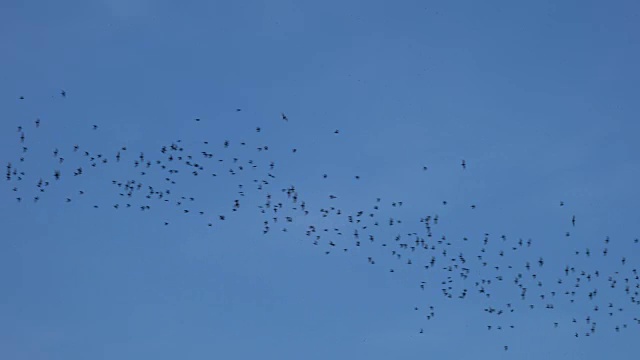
(539, 99)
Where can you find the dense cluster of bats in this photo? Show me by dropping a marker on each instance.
(457, 268)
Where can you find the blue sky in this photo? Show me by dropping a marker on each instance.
(538, 98)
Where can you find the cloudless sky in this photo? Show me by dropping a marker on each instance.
(539, 98)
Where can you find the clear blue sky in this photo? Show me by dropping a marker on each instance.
(539, 98)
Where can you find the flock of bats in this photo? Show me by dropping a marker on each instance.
(468, 268)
